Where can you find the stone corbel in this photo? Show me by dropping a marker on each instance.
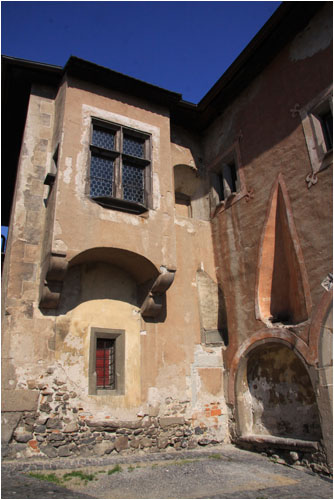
(53, 282)
(154, 301)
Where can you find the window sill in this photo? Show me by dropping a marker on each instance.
(119, 204)
(232, 199)
(107, 392)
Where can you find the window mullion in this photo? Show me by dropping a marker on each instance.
(117, 177)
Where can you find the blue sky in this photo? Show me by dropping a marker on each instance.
(181, 46)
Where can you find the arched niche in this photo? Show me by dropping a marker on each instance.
(104, 266)
(107, 273)
(325, 374)
(282, 292)
(191, 193)
(96, 280)
(57, 267)
(274, 394)
(138, 266)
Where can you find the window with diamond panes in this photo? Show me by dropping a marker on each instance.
(133, 146)
(103, 138)
(133, 183)
(119, 167)
(101, 176)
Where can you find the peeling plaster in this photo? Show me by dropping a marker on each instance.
(316, 36)
(186, 224)
(169, 200)
(206, 357)
(60, 246)
(68, 172)
(74, 342)
(156, 191)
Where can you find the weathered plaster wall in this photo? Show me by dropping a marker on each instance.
(282, 398)
(95, 221)
(272, 142)
(106, 299)
(21, 314)
(25, 332)
(168, 374)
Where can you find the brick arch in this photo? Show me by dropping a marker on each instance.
(271, 368)
(318, 320)
(283, 336)
(321, 347)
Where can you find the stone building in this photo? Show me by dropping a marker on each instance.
(167, 279)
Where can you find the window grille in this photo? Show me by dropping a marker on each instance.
(105, 363)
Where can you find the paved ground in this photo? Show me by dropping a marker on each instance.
(218, 472)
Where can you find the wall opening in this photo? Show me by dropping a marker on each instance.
(191, 196)
(276, 397)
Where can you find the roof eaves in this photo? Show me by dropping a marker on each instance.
(25, 63)
(95, 73)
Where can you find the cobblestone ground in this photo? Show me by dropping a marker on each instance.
(218, 472)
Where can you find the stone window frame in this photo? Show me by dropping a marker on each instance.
(216, 174)
(117, 201)
(321, 156)
(119, 337)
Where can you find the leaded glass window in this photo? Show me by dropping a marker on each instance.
(119, 167)
(101, 176)
(133, 183)
(103, 138)
(133, 146)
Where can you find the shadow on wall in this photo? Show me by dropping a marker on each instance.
(212, 310)
(191, 193)
(96, 281)
(222, 316)
(98, 273)
(278, 399)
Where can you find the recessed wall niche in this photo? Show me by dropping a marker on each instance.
(282, 292)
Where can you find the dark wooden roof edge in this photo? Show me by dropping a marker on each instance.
(93, 72)
(17, 61)
(34, 71)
